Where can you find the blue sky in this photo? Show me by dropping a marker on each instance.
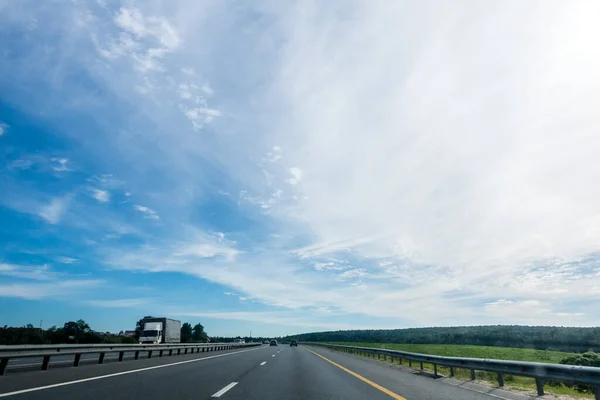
(287, 167)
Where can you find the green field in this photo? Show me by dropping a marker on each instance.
(499, 353)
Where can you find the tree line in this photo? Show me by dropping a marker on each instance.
(71, 332)
(534, 337)
(80, 332)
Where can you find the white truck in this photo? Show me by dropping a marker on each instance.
(160, 330)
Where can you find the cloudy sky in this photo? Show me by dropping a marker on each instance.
(296, 166)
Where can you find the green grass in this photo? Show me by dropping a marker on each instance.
(499, 353)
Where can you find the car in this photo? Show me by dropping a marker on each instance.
(265, 342)
(294, 343)
(273, 343)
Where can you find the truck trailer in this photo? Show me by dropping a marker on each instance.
(160, 330)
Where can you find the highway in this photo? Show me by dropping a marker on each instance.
(263, 373)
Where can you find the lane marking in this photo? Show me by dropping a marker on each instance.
(362, 378)
(273, 355)
(224, 390)
(263, 363)
(133, 371)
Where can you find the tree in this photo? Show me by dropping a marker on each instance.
(79, 331)
(186, 332)
(139, 326)
(198, 334)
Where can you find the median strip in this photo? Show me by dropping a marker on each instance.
(362, 378)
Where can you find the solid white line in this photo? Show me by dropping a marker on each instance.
(224, 390)
(263, 363)
(121, 373)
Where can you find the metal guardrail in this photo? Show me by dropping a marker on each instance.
(76, 350)
(541, 372)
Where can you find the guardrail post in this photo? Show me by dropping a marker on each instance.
(204, 348)
(410, 363)
(472, 374)
(149, 353)
(500, 380)
(185, 351)
(160, 353)
(170, 352)
(400, 360)
(137, 355)
(539, 384)
(421, 366)
(3, 364)
(101, 358)
(435, 375)
(392, 359)
(45, 363)
(178, 351)
(121, 354)
(451, 372)
(76, 360)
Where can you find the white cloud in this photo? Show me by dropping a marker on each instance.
(53, 211)
(149, 213)
(119, 303)
(296, 176)
(21, 164)
(61, 164)
(3, 128)
(38, 273)
(354, 273)
(146, 40)
(201, 116)
(32, 291)
(101, 195)
(66, 260)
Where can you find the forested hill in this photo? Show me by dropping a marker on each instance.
(535, 337)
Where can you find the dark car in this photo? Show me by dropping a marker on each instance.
(294, 343)
(273, 343)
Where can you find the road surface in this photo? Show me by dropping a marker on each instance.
(259, 373)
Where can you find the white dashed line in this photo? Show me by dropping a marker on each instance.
(224, 390)
(273, 355)
(263, 363)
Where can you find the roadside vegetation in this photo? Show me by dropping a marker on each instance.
(499, 353)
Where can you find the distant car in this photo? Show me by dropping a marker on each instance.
(265, 342)
(294, 343)
(273, 343)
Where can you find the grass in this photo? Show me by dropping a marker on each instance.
(498, 353)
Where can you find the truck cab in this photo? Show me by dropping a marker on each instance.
(152, 333)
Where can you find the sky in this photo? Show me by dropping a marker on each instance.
(284, 167)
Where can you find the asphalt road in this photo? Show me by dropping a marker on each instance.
(254, 373)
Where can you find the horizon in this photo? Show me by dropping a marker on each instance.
(299, 167)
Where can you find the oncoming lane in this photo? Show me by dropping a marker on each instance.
(201, 375)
